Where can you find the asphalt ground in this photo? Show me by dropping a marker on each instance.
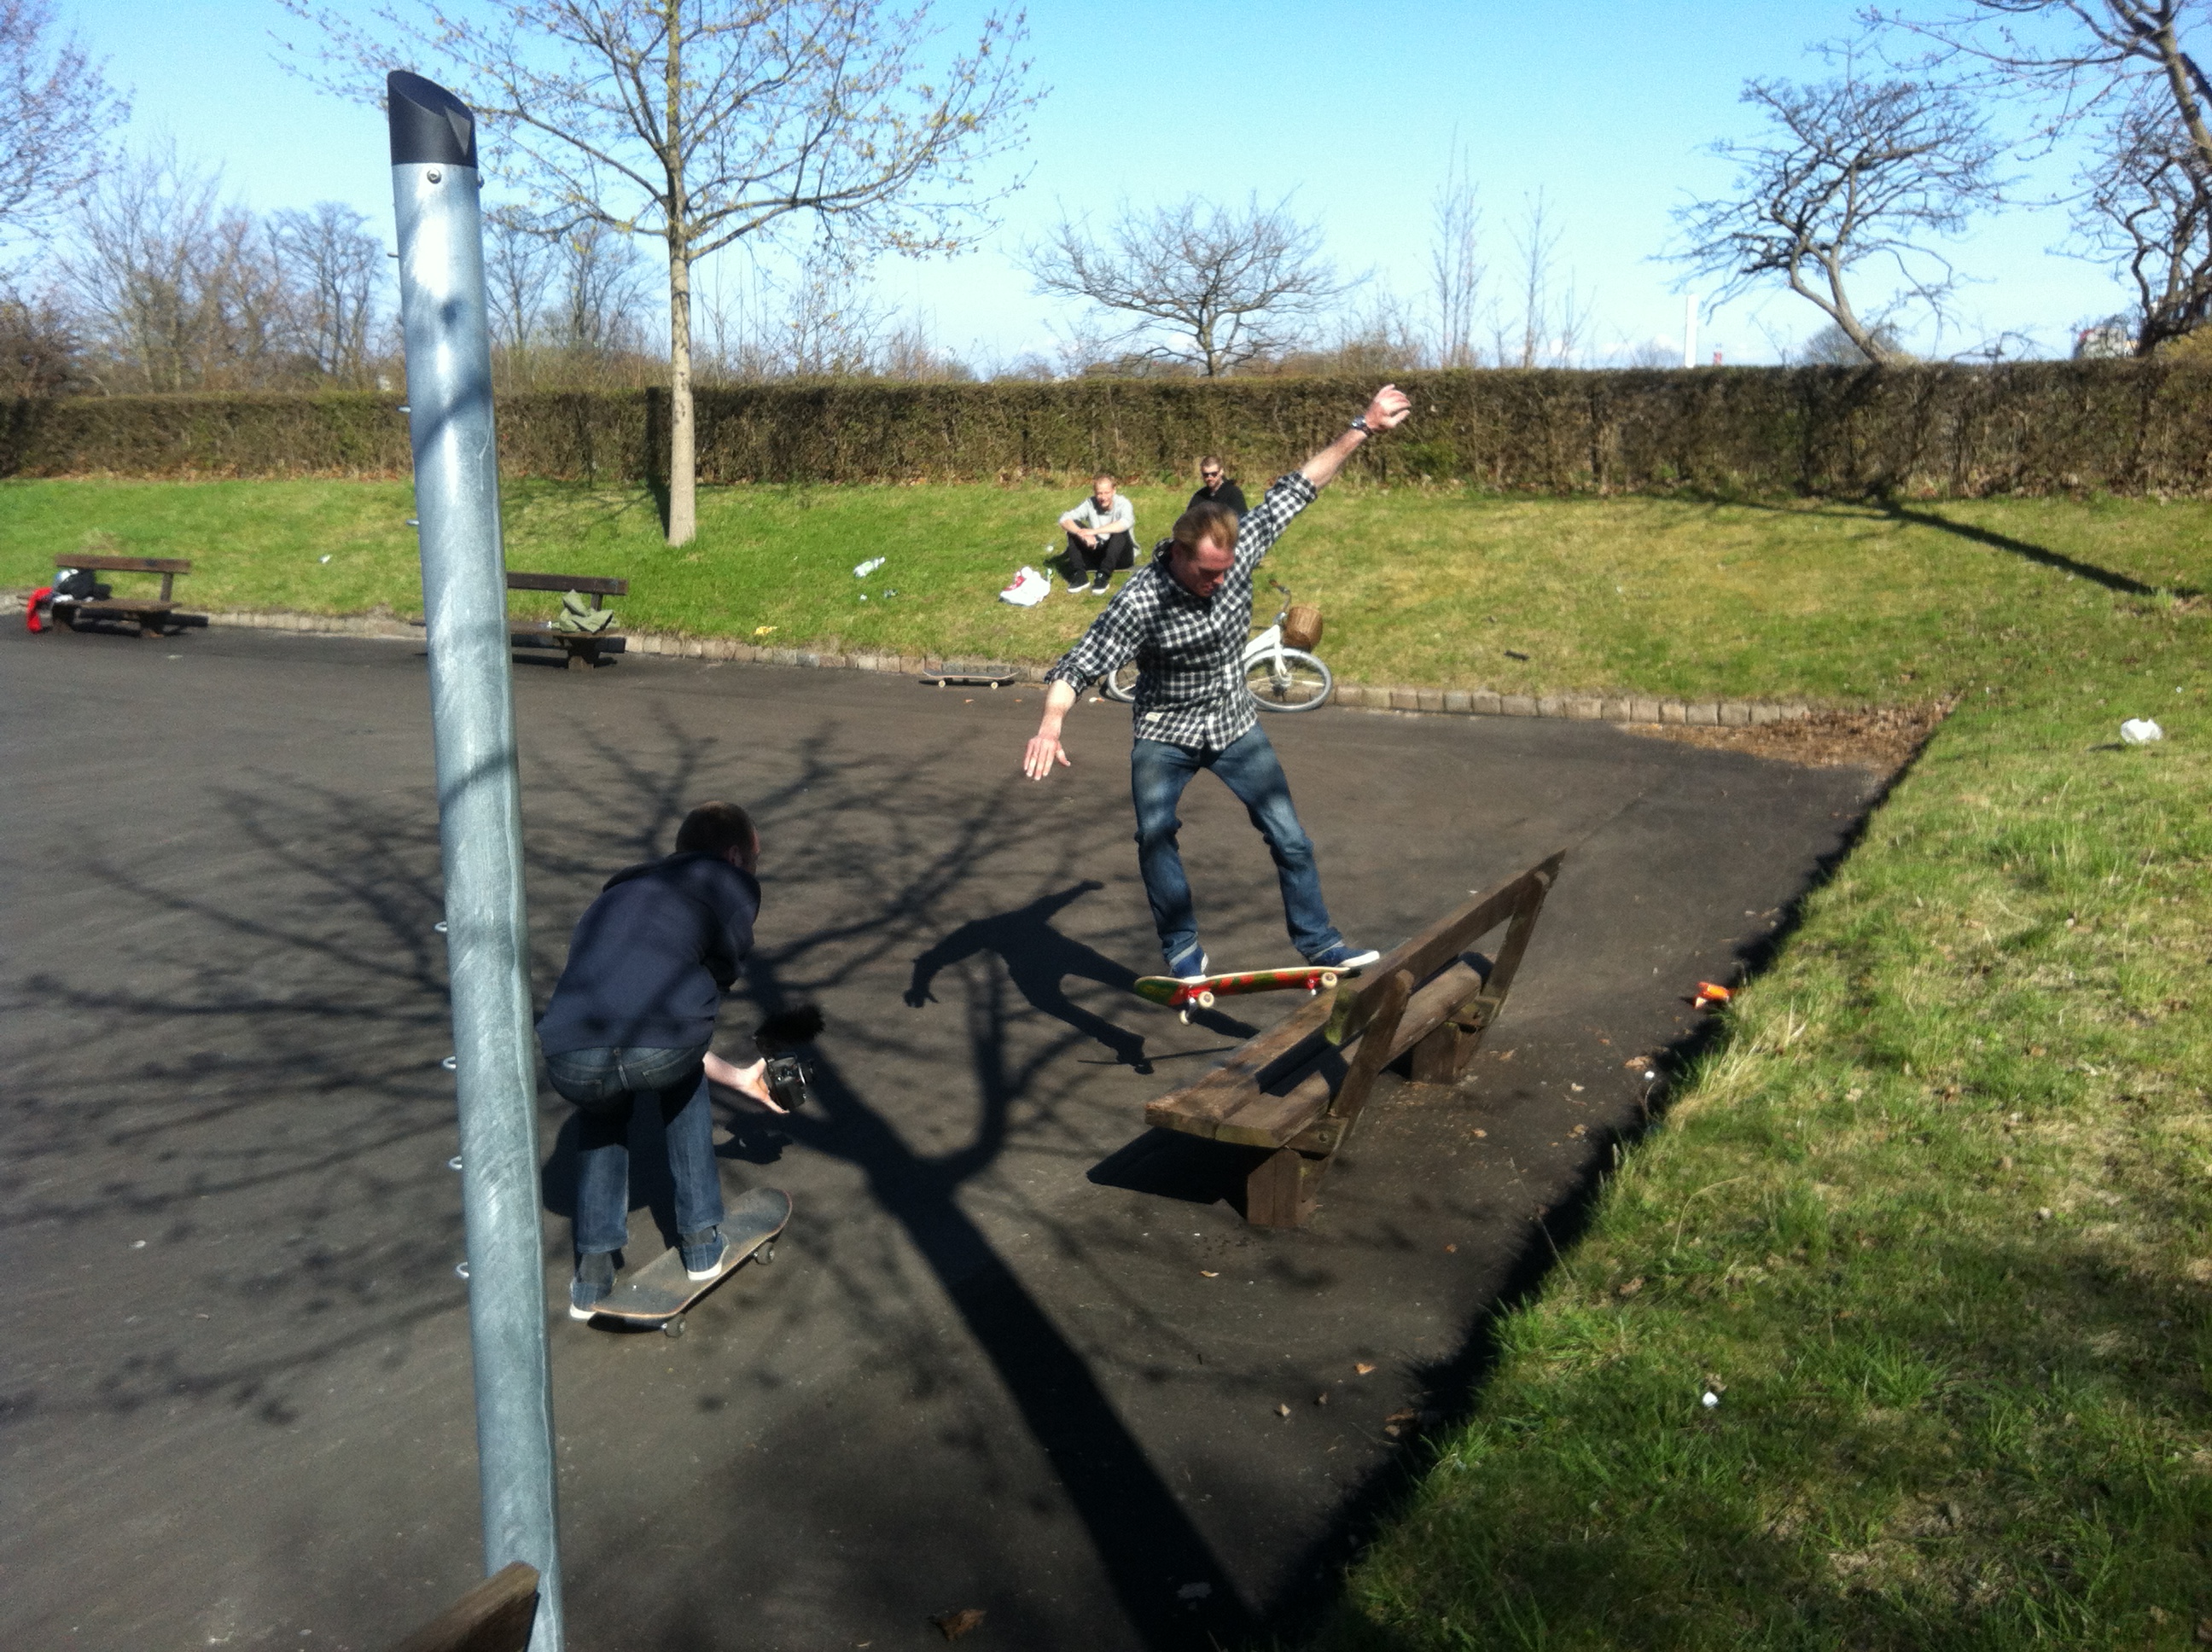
(1015, 1353)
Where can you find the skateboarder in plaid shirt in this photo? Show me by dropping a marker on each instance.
(1184, 619)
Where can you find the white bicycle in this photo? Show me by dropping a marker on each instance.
(1280, 677)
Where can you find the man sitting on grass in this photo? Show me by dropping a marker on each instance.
(1100, 535)
(631, 1020)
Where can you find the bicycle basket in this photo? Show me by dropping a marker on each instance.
(1302, 626)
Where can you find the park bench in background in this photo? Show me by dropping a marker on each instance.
(495, 1616)
(1297, 1089)
(153, 616)
(583, 647)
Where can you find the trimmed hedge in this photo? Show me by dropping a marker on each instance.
(2039, 427)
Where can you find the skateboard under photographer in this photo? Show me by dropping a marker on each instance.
(1183, 617)
(632, 1022)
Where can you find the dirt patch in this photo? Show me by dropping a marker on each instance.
(1883, 740)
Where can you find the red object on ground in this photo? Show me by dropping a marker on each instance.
(1709, 994)
(31, 611)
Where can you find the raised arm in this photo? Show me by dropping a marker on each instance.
(1390, 408)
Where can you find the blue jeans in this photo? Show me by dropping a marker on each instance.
(606, 1085)
(1248, 766)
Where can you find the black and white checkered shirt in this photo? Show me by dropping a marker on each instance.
(1189, 650)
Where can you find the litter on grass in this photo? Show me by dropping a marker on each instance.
(862, 570)
(1710, 993)
(1029, 588)
(2141, 731)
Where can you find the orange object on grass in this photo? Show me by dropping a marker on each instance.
(1710, 993)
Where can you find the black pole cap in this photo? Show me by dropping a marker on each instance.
(429, 125)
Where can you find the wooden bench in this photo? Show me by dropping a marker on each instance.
(153, 617)
(585, 647)
(495, 1616)
(1297, 1089)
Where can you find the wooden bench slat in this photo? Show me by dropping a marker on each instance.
(586, 584)
(117, 605)
(1228, 1086)
(1272, 1120)
(126, 564)
(495, 1616)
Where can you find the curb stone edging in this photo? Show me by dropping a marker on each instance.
(1417, 701)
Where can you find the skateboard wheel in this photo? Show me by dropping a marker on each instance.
(1328, 977)
(1186, 1018)
(672, 1327)
(766, 1253)
(1205, 1000)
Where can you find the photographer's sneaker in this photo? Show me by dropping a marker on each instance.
(1343, 955)
(704, 1252)
(594, 1281)
(1188, 964)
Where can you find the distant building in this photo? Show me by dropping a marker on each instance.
(2109, 340)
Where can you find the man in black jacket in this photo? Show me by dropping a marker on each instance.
(632, 1018)
(1215, 489)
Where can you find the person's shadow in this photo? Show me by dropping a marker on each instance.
(1038, 958)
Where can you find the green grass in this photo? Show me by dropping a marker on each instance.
(1841, 603)
(1931, 1217)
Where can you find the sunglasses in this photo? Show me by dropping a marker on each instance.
(1210, 476)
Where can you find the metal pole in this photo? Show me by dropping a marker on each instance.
(441, 299)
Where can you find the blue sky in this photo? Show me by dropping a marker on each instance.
(1352, 110)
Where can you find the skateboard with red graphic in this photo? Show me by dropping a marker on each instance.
(1198, 992)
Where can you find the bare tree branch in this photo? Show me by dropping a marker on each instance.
(1456, 271)
(702, 122)
(1211, 288)
(1857, 170)
(2127, 69)
(55, 116)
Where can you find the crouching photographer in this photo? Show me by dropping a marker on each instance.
(632, 1023)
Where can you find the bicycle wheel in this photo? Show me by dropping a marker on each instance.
(1291, 681)
(1121, 683)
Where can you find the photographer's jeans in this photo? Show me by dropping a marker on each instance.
(1248, 766)
(606, 1085)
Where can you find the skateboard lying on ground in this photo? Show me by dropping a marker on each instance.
(658, 1293)
(968, 679)
(1198, 992)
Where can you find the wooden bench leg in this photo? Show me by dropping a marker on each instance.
(1281, 1190)
(583, 653)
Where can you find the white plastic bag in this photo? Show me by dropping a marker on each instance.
(1029, 588)
(2141, 731)
(862, 570)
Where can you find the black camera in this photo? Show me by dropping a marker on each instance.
(786, 1082)
(779, 1040)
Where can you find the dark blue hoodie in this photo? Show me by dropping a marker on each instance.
(653, 956)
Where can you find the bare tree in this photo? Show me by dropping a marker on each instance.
(599, 291)
(2147, 208)
(332, 265)
(2124, 71)
(1855, 170)
(519, 273)
(702, 123)
(55, 114)
(1455, 266)
(179, 291)
(1212, 288)
(1553, 323)
(40, 352)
